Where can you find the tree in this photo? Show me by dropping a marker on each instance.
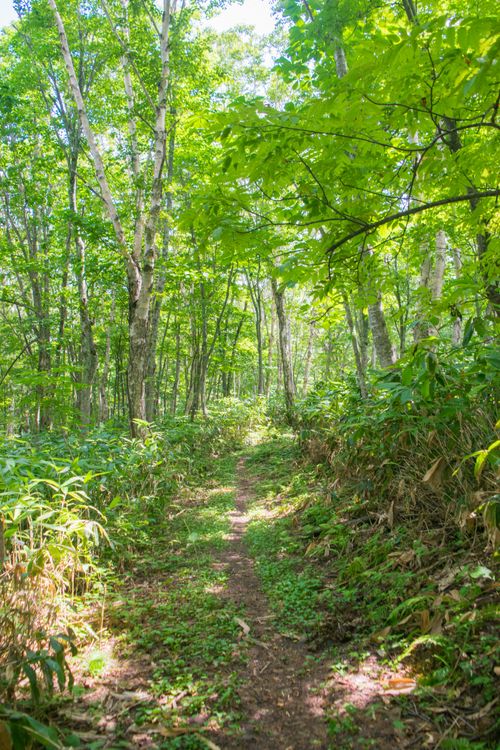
(140, 253)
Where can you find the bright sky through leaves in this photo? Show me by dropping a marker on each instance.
(7, 12)
(252, 12)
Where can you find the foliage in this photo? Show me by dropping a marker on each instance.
(409, 588)
(411, 431)
(306, 242)
(74, 505)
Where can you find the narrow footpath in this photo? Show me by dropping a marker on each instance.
(190, 653)
(282, 699)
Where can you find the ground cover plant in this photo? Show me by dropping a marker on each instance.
(374, 593)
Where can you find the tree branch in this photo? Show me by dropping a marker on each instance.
(410, 212)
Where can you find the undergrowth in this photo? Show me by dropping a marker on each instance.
(350, 569)
(77, 512)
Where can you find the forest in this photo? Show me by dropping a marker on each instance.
(249, 376)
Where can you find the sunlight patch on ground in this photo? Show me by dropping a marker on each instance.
(370, 680)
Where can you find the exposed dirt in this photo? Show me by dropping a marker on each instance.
(287, 692)
(282, 692)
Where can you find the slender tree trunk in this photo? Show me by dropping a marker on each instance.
(270, 350)
(151, 392)
(308, 358)
(385, 351)
(2, 544)
(43, 419)
(103, 383)
(63, 307)
(386, 356)
(175, 387)
(234, 345)
(362, 328)
(358, 359)
(256, 297)
(285, 349)
(164, 363)
(421, 329)
(440, 266)
(140, 258)
(200, 362)
(430, 286)
(456, 335)
(88, 349)
(328, 355)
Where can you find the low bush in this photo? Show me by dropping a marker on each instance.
(423, 443)
(73, 510)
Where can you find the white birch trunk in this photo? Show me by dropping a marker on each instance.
(140, 263)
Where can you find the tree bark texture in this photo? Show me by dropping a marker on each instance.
(140, 256)
(285, 349)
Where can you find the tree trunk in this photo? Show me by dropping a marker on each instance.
(386, 356)
(270, 350)
(358, 359)
(308, 358)
(88, 348)
(328, 355)
(151, 392)
(139, 261)
(256, 297)
(175, 387)
(362, 328)
(285, 349)
(233, 351)
(440, 266)
(103, 384)
(456, 336)
(385, 351)
(430, 286)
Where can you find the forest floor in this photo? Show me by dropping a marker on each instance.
(217, 634)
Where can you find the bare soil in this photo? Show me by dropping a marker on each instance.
(282, 692)
(286, 689)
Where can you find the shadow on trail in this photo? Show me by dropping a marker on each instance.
(193, 655)
(281, 697)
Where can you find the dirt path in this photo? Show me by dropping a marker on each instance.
(282, 699)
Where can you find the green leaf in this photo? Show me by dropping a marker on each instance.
(481, 572)
(33, 681)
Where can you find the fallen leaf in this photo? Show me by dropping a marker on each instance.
(400, 684)
(179, 731)
(88, 736)
(243, 625)
(380, 634)
(425, 620)
(485, 710)
(434, 475)
(436, 625)
(208, 742)
(390, 515)
(448, 579)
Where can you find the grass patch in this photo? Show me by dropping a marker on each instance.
(356, 582)
(172, 607)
